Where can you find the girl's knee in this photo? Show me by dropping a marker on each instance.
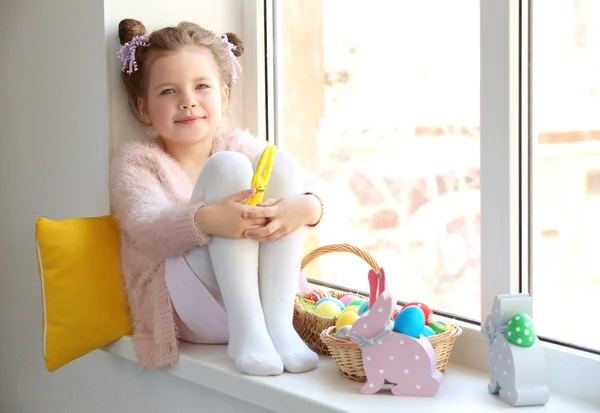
(229, 165)
(225, 173)
(227, 161)
(283, 160)
(286, 176)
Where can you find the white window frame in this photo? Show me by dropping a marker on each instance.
(504, 195)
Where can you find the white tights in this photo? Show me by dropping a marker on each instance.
(255, 282)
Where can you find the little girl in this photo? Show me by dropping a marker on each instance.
(198, 262)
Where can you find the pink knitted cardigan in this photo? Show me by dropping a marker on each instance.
(149, 195)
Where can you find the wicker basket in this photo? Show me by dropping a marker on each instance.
(317, 331)
(348, 357)
(310, 325)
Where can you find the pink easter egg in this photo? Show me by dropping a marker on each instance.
(348, 298)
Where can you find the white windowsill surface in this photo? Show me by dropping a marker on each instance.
(325, 390)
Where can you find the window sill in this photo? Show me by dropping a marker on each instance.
(325, 390)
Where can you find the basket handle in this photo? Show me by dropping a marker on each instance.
(325, 249)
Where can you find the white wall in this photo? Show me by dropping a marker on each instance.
(55, 102)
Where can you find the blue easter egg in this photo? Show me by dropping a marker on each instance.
(428, 331)
(410, 321)
(363, 308)
(335, 300)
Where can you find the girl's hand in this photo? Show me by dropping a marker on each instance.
(225, 218)
(285, 217)
(270, 202)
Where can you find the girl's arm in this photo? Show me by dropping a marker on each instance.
(148, 218)
(314, 189)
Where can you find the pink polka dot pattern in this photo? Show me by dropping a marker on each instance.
(408, 363)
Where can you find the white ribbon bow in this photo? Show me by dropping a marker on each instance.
(364, 342)
(494, 332)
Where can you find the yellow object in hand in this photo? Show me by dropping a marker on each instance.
(262, 175)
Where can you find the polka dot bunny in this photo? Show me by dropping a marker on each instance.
(517, 359)
(406, 362)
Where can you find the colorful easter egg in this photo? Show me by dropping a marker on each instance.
(335, 300)
(315, 295)
(519, 330)
(328, 309)
(440, 327)
(426, 310)
(347, 318)
(321, 293)
(410, 321)
(358, 302)
(348, 298)
(352, 308)
(396, 313)
(363, 308)
(311, 296)
(428, 331)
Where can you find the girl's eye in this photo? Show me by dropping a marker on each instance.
(167, 91)
(202, 86)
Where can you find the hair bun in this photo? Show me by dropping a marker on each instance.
(129, 28)
(237, 42)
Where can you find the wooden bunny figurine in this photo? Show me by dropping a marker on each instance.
(517, 359)
(404, 361)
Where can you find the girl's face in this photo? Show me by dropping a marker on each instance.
(184, 100)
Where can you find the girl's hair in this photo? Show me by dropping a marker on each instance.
(172, 39)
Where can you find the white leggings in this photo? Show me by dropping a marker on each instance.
(255, 282)
(220, 265)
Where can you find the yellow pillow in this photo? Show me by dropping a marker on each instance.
(84, 305)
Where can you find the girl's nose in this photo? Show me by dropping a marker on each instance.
(188, 103)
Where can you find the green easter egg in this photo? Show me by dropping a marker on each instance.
(438, 327)
(357, 302)
(519, 330)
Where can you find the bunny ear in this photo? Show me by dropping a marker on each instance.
(376, 285)
(373, 287)
(382, 309)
